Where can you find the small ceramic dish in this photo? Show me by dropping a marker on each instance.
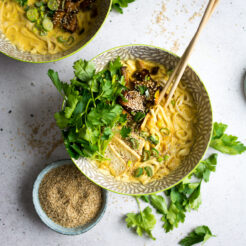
(203, 126)
(52, 225)
(7, 48)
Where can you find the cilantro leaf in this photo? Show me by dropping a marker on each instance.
(224, 143)
(125, 131)
(84, 70)
(114, 66)
(142, 89)
(55, 79)
(139, 116)
(159, 203)
(206, 167)
(143, 222)
(200, 234)
(71, 104)
(119, 4)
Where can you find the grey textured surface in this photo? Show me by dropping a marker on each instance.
(29, 136)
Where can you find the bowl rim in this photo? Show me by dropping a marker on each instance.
(156, 47)
(70, 54)
(50, 223)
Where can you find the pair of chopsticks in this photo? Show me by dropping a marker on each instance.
(180, 67)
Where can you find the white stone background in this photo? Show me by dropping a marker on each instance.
(28, 143)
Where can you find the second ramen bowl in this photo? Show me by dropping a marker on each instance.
(203, 126)
(7, 48)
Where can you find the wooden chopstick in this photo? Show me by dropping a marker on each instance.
(180, 67)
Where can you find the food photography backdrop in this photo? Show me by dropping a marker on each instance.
(30, 139)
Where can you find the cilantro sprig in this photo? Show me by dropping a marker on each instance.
(200, 234)
(224, 143)
(89, 112)
(143, 222)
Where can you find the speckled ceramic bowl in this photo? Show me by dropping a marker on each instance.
(203, 126)
(48, 221)
(10, 50)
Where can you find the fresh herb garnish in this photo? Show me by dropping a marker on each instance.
(119, 4)
(125, 131)
(154, 139)
(148, 171)
(139, 116)
(200, 234)
(89, 111)
(138, 172)
(142, 89)
(224, 143)
(143, 222)
(206, 167)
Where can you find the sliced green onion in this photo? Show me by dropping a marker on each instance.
(43, 33)
(47, 24)
(32, 14)
(129, 163)
(165, 131)
(173, 102)
(154, 152)
(138, 172)
(166, 157)
(39, 4)
(60, 39)
(145, 155)
(160, 159)
(134, 143)
(53, 4)
(148, 171)
(153, 139)
(70, 40)
(144, 134)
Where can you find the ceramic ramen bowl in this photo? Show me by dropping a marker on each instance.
(7, 48)
(203, 125)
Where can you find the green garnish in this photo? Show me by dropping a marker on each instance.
(141, 89)
(224, 143)
(134, 143)
(145, 155)
(154, 152)
(200, 234)
(153, 139)
(53, 5)
(119, 4)
(166, 157)
(32, 14)
(143, 222)
(90, 110)
(160, 159)
(125, 131)
(138, 172)
(206, 167)
(173, 102)
(165, 131)
(39, 4)
(144, 134)
(149, 171)
(67, 42)
(139, 116)
(47, 24)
